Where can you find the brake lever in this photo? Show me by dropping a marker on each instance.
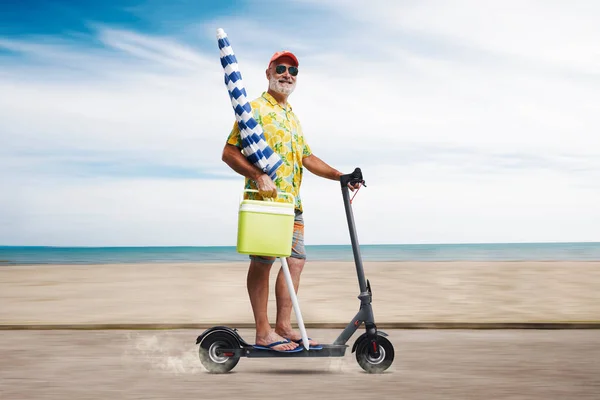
(361, 181)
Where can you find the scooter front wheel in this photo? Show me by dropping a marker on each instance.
(215, 362)
(371, 364)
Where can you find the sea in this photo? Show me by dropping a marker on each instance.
(568, 251)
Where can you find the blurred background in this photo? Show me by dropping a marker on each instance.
(474, 124)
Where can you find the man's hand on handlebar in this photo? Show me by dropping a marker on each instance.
(354, 180)
(354, 185)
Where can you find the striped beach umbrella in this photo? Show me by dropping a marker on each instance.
(254, 146)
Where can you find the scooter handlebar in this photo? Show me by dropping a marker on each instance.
(353, 178)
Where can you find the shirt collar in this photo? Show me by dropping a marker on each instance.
(267, 96)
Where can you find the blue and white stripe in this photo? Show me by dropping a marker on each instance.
(254, 146)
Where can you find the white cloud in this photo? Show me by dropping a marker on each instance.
(535, 30)
(472, 125)
(121, 212)
(468, 72)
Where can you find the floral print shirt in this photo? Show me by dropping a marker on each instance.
(284, 135)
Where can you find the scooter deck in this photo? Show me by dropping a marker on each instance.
(327, 350)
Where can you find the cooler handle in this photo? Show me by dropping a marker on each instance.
(267, 199)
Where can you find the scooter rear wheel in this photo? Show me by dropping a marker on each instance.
(218, 363)
(375, 365)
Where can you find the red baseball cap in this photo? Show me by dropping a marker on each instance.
(283, 53)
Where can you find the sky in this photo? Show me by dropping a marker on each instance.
(473, 122)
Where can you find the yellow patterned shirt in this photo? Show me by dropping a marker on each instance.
(284, 135)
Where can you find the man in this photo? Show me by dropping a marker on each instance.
(284, 135)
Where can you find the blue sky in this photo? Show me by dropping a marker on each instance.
(472, 123)
(64, 17)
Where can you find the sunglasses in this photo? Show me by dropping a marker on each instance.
(280, 69)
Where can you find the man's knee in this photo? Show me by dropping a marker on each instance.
(296, 264)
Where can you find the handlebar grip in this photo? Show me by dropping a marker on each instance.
(355, 177)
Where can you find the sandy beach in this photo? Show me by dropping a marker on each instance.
(403, 292)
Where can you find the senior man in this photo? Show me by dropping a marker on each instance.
(284, 135)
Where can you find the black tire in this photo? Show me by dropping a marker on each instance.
(218, 364)
(379, 365)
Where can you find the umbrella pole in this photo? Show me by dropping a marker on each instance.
(290, 285)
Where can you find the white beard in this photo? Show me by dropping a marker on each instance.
(278, 87)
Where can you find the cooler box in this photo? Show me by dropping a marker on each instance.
(265, 227)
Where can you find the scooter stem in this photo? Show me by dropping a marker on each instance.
(356, 176)
(290, 285)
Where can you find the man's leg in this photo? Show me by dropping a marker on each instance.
(283, 325)
(257, 283)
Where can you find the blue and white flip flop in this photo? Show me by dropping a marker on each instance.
(270, 346)
(311, 347)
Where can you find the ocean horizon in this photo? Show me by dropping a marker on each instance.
(559, 251)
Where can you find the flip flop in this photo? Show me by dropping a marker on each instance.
(310, 346)
(271, 345)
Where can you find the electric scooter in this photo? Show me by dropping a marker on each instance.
(221, 347)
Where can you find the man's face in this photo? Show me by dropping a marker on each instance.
(284, 82)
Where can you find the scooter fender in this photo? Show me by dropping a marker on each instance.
(364, 335)
(231, 331)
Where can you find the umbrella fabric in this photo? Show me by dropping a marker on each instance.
(254, 146)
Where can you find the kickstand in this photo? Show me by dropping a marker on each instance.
(290, 285)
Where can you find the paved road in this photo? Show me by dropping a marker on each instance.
(430, 364)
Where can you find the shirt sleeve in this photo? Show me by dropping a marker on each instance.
(306, 150)
(235, 137)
